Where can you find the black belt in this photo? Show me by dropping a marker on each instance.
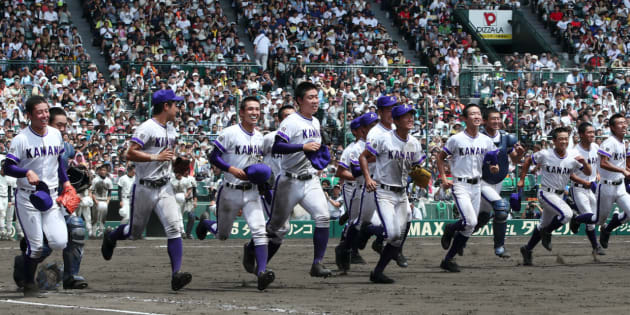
(155, 183)
(244, 186)
(299, 176)
(30, 191)
(395, 189)
(551, 190)
(582, 186)
(472, 181)
(610, 182)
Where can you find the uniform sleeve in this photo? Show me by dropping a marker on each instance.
(450, 146)
(375, 147)
(421, 154)
(222, 142)
(538, 157)
(606, 150)
(285, 130)
(141, 136)
(267, 144)
(345, 160)
(16, 150)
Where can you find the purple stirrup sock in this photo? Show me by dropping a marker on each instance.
(320, 240)
(389, 252)
(118, 233)
(273, 249)
(175, 249)
(208, 225)
(585, 218)
(377, 230)
(459, 241)
(592, 237)
(261, 258)
(533, 241)
(614, 223)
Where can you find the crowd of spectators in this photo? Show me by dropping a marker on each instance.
(594, 32)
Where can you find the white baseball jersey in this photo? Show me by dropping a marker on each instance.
(348, 154)
(358, 149)
(297, 129)
(467, 153)
(38, 153)
(181, 185)
(394, 157)
(592, 157)
(101, 187)
(273, 160)
(4, 186)
(240, 148)
(616, 152)
(375, 132)
(555, 170)
(154, 138)
(126, 183)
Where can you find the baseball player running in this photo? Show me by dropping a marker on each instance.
(298, 182)
(345, 172)
(585, 186)
(467, 151)
(613, 168)
(184, 187)
(369, 221)
(5, 222)
(556, 166)
(394, 154)
(152, 149)
(125, 183)
(492, 205)
(237, 148)
(101, 192)
(34, 158)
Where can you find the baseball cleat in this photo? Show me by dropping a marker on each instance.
(527, 256)
(249, 259)
(380, 278)
(574, 225)
(201, 230)
(75, 283)
(604, 236)
(401, 260)
(356, 259)
(501, 252)
(447, 237)
(32, 290)
(342, 257)
(377, 246)
(546, 239)
(318, 270)
(108, 245)
(599, 251)
(265, 278)
(449, 265)
(180, 280)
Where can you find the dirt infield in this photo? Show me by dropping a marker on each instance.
(137, 280)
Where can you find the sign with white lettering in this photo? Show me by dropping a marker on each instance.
(492, 24)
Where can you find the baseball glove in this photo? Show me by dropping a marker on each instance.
(420, 176)
(69, 199)
(49, 277)
(181, 166)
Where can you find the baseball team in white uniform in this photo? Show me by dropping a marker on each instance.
(374, 170)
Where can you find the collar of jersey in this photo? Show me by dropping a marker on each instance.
(309, 119)
(245, 131)
(469, 136)
(37, 134)
(397, 137)
(157, 122)
(558, 156)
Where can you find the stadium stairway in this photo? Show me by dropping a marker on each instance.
(384, 19)
(545, 34)
(87, 38)
(230, 11)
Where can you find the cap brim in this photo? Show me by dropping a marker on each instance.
(403, 113)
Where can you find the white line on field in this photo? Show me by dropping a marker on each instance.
(111, 310)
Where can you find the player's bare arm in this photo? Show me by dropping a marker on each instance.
(364, 158)
(441, 164)
(524, 169)
(344, 173)
(605, 164)
(587, 167)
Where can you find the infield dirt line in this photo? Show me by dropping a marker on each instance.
(98, 309)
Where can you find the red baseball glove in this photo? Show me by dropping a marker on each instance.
(69, 199)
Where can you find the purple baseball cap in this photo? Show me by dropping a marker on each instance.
(386, 101)
(368, 118)
(162, 96)
(400, 110)
(356, 123)
(320, 158)
(258, 173)
(41, 197)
